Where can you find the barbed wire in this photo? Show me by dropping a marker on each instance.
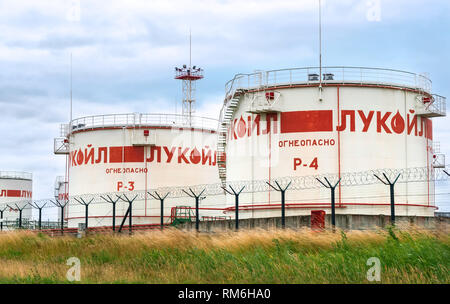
(362, 178)
(102, 216)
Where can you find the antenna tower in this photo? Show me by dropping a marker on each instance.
(189, 75)
(320, 50)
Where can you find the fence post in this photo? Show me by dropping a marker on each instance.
(333, 205)
(197, 199)
(35, 205)
(113, 202)
(124, 219)
(61, 205)
(86, 211)
(392, 193)
(62, 219)
(40, 219)
(236, 196)
(20, 213)
(283, 201)
(161, 199)
(20, 218)
(129, 213)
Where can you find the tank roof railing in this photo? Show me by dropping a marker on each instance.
(138, 119)
(332, 74)
(16, 175)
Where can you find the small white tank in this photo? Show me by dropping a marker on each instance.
(16, 190)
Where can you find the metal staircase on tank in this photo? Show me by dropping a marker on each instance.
(262, 102)
(226, 116)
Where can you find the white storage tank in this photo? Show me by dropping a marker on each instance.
(16, 191)
(136, 152)
(280, 123)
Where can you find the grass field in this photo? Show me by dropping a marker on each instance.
(172, 256)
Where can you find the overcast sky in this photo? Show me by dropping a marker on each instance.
(124, 53)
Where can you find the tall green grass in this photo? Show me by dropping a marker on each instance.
(256, 256)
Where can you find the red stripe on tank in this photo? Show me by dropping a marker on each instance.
(13, 193)
(307, 121)
(127, 154)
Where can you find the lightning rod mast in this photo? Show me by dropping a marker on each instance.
(189, 75)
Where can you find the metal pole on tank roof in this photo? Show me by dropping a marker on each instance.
(320, 50)
(190, 48)
(67, 170)
(70, 119)
(190, 81)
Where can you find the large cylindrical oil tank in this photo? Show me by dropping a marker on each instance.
(16, 191)
(290, 123)
(138, 152)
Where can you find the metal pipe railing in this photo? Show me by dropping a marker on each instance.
(340, 74)
(16, 175)
(135, 119)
